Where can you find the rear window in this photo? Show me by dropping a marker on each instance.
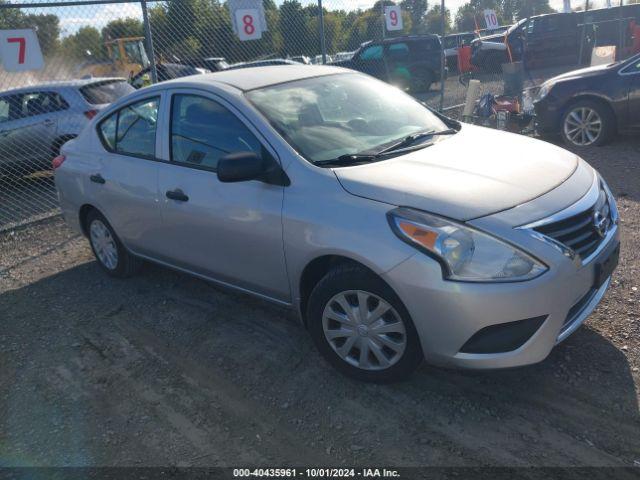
(106, 92)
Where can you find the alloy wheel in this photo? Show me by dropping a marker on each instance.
(104, 244)
(364, 330)
(583, 126)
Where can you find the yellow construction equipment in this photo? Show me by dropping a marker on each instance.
(126, 57)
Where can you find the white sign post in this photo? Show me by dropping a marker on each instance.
(393, 18)
(491, 19)
(248, 24)
(20, 50)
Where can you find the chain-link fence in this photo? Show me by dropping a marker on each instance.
(94, 51)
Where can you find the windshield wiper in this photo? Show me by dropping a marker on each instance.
(399, 147)
(347, 160)
(410, 139)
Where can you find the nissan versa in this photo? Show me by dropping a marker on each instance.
(395, 233)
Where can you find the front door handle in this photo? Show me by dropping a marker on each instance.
(177, 195)
(97, 179)
(48, 122)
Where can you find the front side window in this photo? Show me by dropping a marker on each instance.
(132, 129)
(326, 117)
(203, 131)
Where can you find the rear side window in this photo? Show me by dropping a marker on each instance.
(132, 129)
(105, 92)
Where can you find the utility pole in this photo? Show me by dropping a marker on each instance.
(149, 41)
(323, 43)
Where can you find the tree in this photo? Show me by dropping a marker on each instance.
(123, 27)
(417, 10)
(85, 44)
(295, 31)
(433, 21)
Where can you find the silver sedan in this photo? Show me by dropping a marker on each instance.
(395, 233)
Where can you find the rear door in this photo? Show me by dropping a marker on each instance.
(124, 182)
(35, 132)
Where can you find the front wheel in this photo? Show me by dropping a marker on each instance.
(361, 327)
(586, 124)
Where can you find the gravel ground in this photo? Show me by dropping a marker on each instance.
(164, 369)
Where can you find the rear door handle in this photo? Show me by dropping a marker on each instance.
(177, 195)
(97, 179)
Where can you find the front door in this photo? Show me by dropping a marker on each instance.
(231, 232)
(371, 61)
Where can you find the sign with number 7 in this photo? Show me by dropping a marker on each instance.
(248, 24)
(20, 50)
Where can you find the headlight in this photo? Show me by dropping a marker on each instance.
(464, 253)
(545, 88)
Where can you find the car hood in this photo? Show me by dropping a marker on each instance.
(582, 72)
(474, 173)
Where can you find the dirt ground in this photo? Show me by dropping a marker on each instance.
(167, 370)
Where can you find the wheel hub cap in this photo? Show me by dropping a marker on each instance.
(364, 330)
(583, 126)
(104, 244)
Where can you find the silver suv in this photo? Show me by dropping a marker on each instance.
(35, 121)
(394, 232)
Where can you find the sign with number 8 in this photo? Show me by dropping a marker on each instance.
(248, 24)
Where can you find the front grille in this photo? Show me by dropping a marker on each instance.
(579, 232)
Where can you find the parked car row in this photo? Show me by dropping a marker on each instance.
(35, 121)
(559, 38)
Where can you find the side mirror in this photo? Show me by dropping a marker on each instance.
(246, 166)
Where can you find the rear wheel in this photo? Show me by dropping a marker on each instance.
(108, 249)
(361, 327)
(587, 123)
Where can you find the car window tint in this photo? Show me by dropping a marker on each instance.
(136, 130)
(372, 53)
(203, 131)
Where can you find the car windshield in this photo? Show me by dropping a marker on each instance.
(327, 117)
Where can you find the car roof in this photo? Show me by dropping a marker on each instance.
(77, 83)
(258, 77)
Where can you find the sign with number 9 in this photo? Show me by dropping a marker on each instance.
(393, 18)
(248, 24)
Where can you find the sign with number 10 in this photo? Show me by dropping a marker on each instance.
(393, 18)
(248, 24)
(20, 50)
(491, 19)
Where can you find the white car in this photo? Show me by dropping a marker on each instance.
(36, 120)
(397, 234)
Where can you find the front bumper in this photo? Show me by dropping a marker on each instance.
(448, 314)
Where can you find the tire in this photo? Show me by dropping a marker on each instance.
(574, 126)
(110, 254)
(352, 283)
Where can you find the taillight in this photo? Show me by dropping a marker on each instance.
(90, 114)
(58, 161)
